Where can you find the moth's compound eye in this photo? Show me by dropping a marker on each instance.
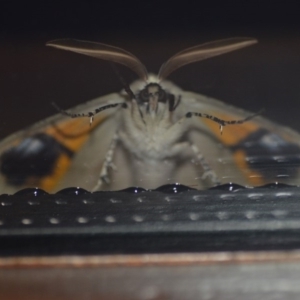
(162, 95)
(144, 95)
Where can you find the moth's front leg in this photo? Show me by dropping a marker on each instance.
(189, 150)
(108, 163)
(208, 171)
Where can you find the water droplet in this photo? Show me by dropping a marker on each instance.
(31, 192)
(133, 190)
(231, 187)
(275, 185)
(76, 191)
(174, 188)
(3, 196)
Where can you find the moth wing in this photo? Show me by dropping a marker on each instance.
(255, 152)
(59, 151)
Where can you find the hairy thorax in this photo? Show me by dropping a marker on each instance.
(149, 129)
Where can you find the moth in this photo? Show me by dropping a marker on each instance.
(149, 134)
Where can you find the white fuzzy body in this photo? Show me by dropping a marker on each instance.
(156, 141)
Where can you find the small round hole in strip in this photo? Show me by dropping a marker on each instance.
(279, 213)
(222, 215)
(166, 217)
(34, 202)
(138, 218)
(110, 219)
(54, 221)
(200, 198)
(228, 197)
(170, 199)
(255, 196)
(61, 202)
(194, 216)
(26, 221)
(113, 200)
(88, 201)
(250, 214)
(82, 220)
(283, 194)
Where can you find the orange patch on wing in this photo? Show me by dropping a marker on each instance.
(62, 164)
(233, 135)
(72, 133)
(253, 177)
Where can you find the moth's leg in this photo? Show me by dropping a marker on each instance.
(208, 171)
(108, 163)
(188, 150)
(222, 123)
(90, 114)
(172, 104)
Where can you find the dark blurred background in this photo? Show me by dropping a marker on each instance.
(32, 75)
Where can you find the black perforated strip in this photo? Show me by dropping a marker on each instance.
(172, 219)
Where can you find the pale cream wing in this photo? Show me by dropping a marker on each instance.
(59, 152)
(254, 153)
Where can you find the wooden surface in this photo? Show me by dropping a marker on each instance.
(260, 275)
(262, 261)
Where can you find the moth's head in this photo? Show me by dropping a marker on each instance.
(151, 95)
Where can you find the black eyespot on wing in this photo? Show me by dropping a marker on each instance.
(35, 156)
(270, 154)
